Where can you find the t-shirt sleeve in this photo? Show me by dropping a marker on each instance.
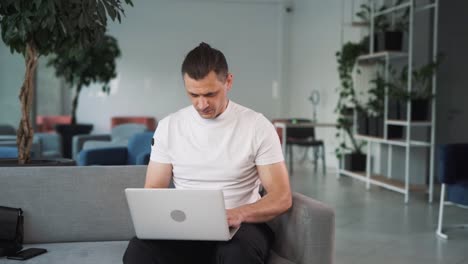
(267, 142)
(159, 147)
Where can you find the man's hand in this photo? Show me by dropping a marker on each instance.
(234, 217)
(277, 200)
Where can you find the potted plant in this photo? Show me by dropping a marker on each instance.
(35, 28)
(352, 154)
(80, 68)
(420, 95)
(375, 106)
(388, 28)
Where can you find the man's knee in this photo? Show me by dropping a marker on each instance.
(136, 252)
(237, 252)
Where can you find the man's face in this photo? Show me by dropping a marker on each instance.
(208, 95)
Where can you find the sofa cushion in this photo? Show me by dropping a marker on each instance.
(76, 253)
(108, 252)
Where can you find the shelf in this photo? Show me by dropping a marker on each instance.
(381, 55)
(395, 142)
(353, 174)
(403, 6)
(382, 181)
(412, 123)
(392, 9)
(360, 24)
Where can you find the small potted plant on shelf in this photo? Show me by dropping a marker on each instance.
(420, 95)
(388, 28)
(375, 106)
(354, 159)
(35, 28)
(79, 69)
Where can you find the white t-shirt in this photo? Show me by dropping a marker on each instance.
(220, 153)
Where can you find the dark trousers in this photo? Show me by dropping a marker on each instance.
(250, 245)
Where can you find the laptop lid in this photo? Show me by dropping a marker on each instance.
(178, 214)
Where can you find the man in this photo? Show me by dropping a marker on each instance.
(217, 144)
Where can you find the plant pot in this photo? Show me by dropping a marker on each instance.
(376, 126)
(394, 109)
(394, 132)
(362, 123)
(355, 162)
(67, 132)
(419, 110)
(347, 112)
(38, 163)
(389, 40)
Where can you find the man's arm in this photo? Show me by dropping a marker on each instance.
(275, 180)
(158, 175)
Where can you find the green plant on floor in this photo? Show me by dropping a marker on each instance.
(346, 59)
(80, 68)
(41, 27)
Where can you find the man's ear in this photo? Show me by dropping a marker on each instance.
(229, 79)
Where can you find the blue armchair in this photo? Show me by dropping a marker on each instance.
(453, 174)
(118, 137)
(8, 152)
(137, 152)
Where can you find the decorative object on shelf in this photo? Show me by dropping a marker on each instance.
(375, 106)
(420, 95)
(389, 28)
(35, 28)
(314, 98)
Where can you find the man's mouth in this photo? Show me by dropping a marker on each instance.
(206, 112)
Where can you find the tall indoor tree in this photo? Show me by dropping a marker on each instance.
(80, 68)
(40, 27)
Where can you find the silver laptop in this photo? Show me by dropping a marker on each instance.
(179, 214)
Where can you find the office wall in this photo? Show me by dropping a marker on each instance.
(452, 85)
(154, 38)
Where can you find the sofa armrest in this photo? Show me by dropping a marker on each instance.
(103, 156)
(79, 140)
(306, 233)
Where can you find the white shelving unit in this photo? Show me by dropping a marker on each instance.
(387, 57)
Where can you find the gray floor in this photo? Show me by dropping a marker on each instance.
(375, 226)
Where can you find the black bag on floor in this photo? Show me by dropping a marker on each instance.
(11, 230)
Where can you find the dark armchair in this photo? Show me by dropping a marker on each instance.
(136, 153)
(301, 136)
(453, 174)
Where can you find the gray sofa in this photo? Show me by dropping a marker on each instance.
(80, 215)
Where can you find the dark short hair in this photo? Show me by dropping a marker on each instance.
(203, 59)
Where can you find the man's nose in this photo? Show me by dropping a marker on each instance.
(202, 103)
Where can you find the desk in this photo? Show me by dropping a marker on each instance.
(285, 125)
